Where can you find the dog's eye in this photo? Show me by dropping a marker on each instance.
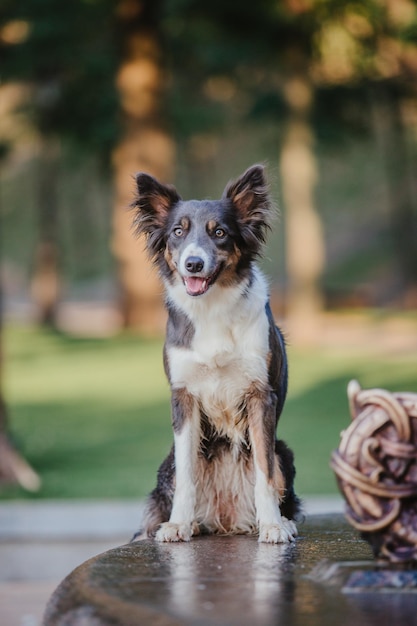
(219, 232)
(178, 231)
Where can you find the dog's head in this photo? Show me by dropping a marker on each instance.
(203, 242)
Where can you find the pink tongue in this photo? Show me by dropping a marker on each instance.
(195, 285)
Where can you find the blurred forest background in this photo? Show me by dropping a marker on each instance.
(322, 91)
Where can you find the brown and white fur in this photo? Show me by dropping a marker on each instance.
(226, 364)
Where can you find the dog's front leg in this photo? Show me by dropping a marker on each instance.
(269, 479)
(186, 423)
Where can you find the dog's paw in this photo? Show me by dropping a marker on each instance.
(284, 532)
(173, 532)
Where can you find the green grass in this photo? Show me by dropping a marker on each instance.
(92, 416)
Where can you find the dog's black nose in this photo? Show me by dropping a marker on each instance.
(194, 264)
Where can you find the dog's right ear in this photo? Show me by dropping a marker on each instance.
(151, 205)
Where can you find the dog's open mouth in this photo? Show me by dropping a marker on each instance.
(196, 285)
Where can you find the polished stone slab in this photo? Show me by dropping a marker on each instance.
(230, 581)
(61, 535)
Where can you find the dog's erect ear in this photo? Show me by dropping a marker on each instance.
(249, 191)
(250, 197)
(151, 205)
(153, 201)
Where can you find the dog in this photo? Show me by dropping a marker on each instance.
(226, 364)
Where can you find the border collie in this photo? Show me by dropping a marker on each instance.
(226, 364)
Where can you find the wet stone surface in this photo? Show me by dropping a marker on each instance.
(231, 581)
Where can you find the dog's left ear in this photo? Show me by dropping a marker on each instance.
(250, 196)
(152, 204)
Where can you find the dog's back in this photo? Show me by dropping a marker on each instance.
(226, 363)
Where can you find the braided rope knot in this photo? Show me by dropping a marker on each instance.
(376, 469)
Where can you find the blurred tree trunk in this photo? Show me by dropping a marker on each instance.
(145, 145)
(45, 279)
(304, 237)
(13, 468)
(391, 136)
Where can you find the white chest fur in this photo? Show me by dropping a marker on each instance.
(228, 352)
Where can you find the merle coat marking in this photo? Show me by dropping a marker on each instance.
(226, 363)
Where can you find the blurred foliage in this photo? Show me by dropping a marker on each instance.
(67, 53)
(233, 73)
(219, 55)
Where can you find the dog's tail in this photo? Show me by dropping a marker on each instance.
(291, 505)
